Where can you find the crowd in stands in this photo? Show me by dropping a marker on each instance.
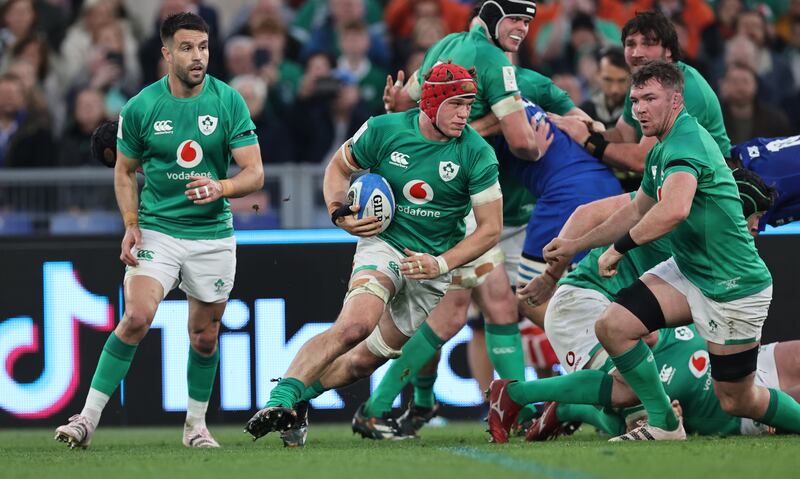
(311, 71)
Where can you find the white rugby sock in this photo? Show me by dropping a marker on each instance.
(196, 412)
(95, 403)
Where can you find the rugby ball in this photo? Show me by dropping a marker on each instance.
(372, 193)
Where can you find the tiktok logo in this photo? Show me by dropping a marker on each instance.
(67, 305)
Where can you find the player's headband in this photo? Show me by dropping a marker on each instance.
(444, 82)
(756, 196)
(492, 12)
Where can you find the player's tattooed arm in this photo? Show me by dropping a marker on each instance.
(127, 193)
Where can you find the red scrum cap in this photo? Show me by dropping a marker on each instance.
(444, 82)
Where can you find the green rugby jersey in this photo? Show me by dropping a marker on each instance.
(700, 101)
(682, 360)
(432, 181)
(174, 138)
(635, 263)
(496, 76)
(712, 247)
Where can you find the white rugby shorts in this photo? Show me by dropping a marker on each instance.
(203, 269)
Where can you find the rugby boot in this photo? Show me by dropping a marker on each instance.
(415, 417)
(547, 426)
(296, 435)
(384, 427)
(198, 436)
(503, 410)
(652, 433)
(77, 433)
(270, 419)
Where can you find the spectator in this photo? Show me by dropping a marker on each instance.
(34, 50)
(620, 11)
(283, 76)
(606, 104)
(37, 107)
(326, 105)
(723, 28)
(354, 41)
(745, 116)
(88, 112)
(402, 15)
(24, 141)
(17, 21)
(83, 37)
(771, 68)
(313, 14)
(273, 135)
(792, 53)
(109, 68)
(341, 13)
(785, 23)
(240, 56)
(583, 40)
(570, 84)
(695, 16)
(553, 38)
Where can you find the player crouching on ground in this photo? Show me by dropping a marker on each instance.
(447, 167)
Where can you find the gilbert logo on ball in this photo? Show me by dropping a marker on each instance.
(418, 192)
(374, 196)
(189, 154)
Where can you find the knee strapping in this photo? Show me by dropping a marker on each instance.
(378, 346)
(642, 303)
(367, 285)
(732, 367)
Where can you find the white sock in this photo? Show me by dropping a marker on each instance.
(95, 403)
(196, 412)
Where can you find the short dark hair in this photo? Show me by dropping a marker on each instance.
(182, 21)
(615, 56)
(666, 73)
(653, 24)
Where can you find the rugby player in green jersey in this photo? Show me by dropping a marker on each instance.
(477, 281)
(647, 37)
(579, 301)
(182, 131)
(400, 274)
(714, 278)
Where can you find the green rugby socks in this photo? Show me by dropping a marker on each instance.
(423, 391)
(581, 387)
(504, 344)
(200, 374)
(314, 390)
(638, 367)
(113, 365)
(416, 353)
(611, 424)
(286, 393)
(783, 412)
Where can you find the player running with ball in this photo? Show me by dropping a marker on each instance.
(182, 130)
(399, 275)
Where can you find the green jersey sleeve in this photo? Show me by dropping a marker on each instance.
(484, 173)
(496, 76)
(366, 144)
(129, 137)
(241, 124)
(542, 91)
(648, 186)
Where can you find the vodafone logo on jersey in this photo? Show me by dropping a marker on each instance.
(698, 363)
(189, 154)
(418, 192)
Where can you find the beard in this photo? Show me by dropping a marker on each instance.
(185, 77)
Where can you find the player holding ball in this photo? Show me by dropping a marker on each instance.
(437, 167)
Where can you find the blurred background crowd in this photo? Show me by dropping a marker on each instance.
(311, 71)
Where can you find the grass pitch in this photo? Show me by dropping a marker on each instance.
(454, 451)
